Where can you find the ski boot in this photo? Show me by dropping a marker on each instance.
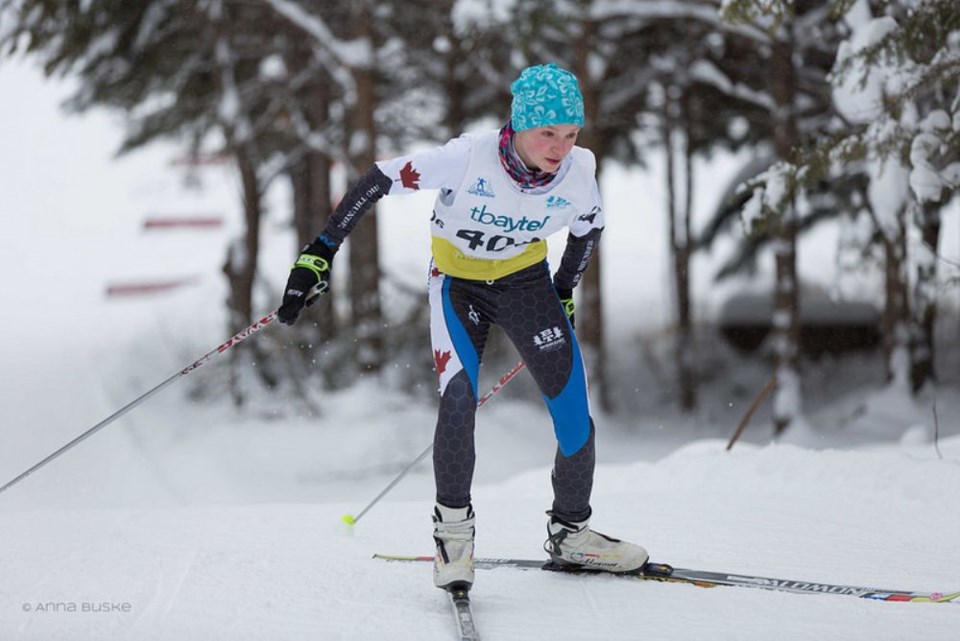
(575, 544)
(453, 531)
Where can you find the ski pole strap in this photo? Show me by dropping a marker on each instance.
(317, 264)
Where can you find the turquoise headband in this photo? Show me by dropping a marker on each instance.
(545, 95)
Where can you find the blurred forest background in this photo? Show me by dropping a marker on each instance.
(850, 111)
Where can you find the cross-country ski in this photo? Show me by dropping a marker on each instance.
(708, 579)
(459, 596)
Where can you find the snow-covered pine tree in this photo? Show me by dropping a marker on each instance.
(896, 83)
(795, 37)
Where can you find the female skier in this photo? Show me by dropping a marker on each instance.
(501, 193)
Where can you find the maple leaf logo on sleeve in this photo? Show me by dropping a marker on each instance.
(410, 177)
(441, 359)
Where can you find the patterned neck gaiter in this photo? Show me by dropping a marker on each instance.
(510, 160)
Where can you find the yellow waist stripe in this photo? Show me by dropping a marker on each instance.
(451, 260)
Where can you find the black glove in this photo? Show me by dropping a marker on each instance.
(566, 299)
(309, 278)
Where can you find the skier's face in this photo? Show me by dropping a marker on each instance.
(544, 148)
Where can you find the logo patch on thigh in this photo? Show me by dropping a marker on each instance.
(549, 339)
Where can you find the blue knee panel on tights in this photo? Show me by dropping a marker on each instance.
(569, 409)
(461, 340)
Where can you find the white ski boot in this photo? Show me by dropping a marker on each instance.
(576, 544)
(453, 531)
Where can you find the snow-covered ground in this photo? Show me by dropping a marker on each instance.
(194, 521)
(294, 571)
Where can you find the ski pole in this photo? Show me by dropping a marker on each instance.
(239, 337)
(349, 519)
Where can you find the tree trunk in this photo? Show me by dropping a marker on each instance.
(688, 374)
(311, 197)
(923, 354)
(312, 208)
(364, 259)
(318, 201)
(590, 331)
(311, 185)
(457, 90)
(678, 224)
(896, 307)
(243, 263)
(786, 326)
(786, 316)
(241, 268)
